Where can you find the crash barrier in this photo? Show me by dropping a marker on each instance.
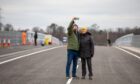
(16, 38)
(128, 40)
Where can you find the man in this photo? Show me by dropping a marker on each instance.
(109, 42)
(35, 38)
(73, 49)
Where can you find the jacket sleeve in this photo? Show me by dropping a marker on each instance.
(92, 46)
(70, 27)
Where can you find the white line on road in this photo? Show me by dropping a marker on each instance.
(5, 55)
(128, 52)
(28, 55)
(69, 80)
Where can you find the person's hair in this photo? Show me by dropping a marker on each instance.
(75, 25)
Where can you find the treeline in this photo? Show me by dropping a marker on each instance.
(6, 27)
(100, 36)
(53, 29)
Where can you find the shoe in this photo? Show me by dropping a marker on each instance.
(83, 77)
(75, 77)
(90, 77)
(67, 77)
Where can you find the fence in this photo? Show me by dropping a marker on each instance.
(13, 37)
(41, 38)
(129, 40)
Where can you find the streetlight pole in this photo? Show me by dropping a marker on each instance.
(0, 15)
(107, 35)
(107, 38)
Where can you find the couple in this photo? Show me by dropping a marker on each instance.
(80, 44)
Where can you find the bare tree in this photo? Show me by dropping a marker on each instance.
(60, 32)
(1, 25)
(94, 26)
(57, 31)
(52, 29)
(41, 30)
(8, 27)
(35, 29)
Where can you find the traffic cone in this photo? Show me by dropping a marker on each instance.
(8, 42)
(4, 42)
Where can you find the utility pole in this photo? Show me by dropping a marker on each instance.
(0, 20)
(0, 15)
(107, 35)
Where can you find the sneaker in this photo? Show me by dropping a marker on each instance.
(83, 77)
(90, 77)
(76, 77)
(67, 77)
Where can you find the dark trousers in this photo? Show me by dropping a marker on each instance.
(71, 57)
(89, 64)
(35, 41)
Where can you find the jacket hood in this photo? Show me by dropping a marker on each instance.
(88, 33)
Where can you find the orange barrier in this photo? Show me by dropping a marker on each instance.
(23, 38)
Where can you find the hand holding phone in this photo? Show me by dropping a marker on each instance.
(75, 18)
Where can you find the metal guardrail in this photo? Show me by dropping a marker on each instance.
(128, 40)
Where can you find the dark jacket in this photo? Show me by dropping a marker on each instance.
(35, 35)
(86, 45)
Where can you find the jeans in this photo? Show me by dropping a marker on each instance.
(72, 56)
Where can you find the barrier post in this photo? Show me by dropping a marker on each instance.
(0, 43)
(8, 42)
(4, 42)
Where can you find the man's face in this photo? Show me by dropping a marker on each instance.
(75, 28)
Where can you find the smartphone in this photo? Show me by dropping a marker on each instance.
(76, 18)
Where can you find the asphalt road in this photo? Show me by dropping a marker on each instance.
(46, 65)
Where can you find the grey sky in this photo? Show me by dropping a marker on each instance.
(106, 13)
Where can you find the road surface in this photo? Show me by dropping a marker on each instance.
(46, 65)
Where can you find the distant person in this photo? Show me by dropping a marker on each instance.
(86, 52)
(24, 37)
(73, 49)
(35, 38)
(109, 42)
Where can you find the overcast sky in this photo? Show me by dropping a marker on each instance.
(106, 13)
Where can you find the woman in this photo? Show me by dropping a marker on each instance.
(86, 51)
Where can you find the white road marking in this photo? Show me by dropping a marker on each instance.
(6, 61)
(69, 80)
(5, 55)
(128, 52)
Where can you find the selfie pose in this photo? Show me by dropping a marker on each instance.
(73, 49)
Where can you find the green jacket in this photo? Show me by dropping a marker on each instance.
(73, 43)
